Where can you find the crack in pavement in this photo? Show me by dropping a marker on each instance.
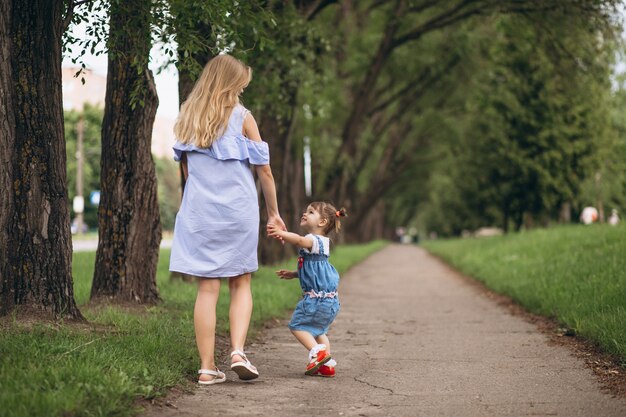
(392, 392)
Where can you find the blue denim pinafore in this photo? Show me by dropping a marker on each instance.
(319, 281)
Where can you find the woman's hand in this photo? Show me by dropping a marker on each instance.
(274, 225)
(284, 274)
(275, 231)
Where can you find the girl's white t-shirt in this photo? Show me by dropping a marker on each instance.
(315, 249)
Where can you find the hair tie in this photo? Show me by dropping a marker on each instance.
(338, 213)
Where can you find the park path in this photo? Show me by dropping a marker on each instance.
(91, 245)
(413, 338)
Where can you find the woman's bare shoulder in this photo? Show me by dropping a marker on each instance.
(250, 128)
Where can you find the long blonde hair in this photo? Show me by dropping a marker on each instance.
(204, 115)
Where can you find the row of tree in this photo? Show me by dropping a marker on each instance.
(459, 106)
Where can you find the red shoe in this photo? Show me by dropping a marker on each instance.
(322, 357)
(326, 371)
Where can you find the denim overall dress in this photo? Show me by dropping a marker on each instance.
(319, 280)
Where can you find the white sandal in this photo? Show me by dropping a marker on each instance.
(218, 375)
(245, 369)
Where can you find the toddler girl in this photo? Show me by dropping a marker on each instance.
(318, 279)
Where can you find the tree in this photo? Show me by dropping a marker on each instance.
(540, 118)
(129, 224)
(532, 124)
(35, 242)
(374, 97)
(288, 73)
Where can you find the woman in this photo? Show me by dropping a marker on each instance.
(217, 226)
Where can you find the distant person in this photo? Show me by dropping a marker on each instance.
(614, 218)
(589, 215)
(217, 226)
(400, 232)
(319, 281)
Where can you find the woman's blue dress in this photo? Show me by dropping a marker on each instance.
(217, 226)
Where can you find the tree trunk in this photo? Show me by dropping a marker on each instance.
(129, 222)
(286, 168)
(35, 240)
(565, 214)
(506, 215)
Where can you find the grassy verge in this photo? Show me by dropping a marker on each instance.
(575, 274)
(122, 355)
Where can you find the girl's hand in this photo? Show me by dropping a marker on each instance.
(276, 224)
(284, 274)
(274, 230)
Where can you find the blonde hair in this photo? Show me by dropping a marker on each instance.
(204, 115)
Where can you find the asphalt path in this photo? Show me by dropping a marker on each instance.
(413, 338)
(91, 245)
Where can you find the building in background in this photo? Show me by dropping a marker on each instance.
(76, 94)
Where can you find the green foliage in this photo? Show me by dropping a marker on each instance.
(199, 27)
(92, 125)
(288, 65)
(572, 273)
(607, 186)
(168, 180)
(535, 125)
(95, 15)
(101, 369)
(169, 191)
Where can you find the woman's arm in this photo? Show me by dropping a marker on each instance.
(264, 172)
(268, 187)
(183, 174)
(183, 163)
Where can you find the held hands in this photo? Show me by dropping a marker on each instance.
(275, 226)
(284, 274)
(275, 231)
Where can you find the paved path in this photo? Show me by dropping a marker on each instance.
(413, 339)
(91, 245)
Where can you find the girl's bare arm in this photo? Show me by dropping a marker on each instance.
(289, 237)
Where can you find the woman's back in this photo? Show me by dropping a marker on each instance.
(216, 230)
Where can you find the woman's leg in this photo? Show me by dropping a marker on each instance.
(204, 323)
(240, 311)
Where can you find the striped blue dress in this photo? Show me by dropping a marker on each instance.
(217, 226)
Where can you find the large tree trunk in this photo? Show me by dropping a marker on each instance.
(129, 222)
(35, 240)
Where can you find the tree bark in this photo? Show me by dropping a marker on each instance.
(129, 221)
(35, 240)
(285, 165)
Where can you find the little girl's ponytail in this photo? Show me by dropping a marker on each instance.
(330, 214)
(342, 212)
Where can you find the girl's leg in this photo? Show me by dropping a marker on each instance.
(306, 338)
(240, 311)
(204, 323)
(323, 340)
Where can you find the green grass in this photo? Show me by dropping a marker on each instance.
(103, 368)
(576, 274)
